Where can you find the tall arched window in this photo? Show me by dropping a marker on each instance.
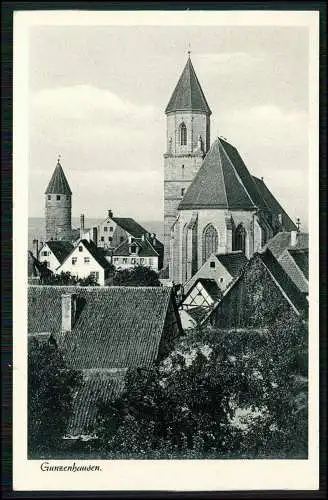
(240, 238)
(210, 241)
(183, 134)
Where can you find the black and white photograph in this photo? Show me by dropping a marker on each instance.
(165, 239)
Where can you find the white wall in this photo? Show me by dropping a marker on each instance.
(82, 269)
(53, 262)
(132, 261)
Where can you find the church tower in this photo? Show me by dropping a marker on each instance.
(58, 209)
(188, 140)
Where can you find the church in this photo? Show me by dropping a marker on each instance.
(212, 203)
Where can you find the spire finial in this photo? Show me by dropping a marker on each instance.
(189, 50)
(298, 224)
(59, 158)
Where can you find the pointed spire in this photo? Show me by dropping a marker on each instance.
(58, 183)
(188, 94)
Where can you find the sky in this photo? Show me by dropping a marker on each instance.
(97, 96)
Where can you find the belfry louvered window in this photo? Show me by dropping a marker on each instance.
(183, 134)
(210, 241)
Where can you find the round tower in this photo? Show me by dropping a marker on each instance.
(58, 207)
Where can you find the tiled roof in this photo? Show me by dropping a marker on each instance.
(58, 183)
(145, 248)
(131, 226)
(278, 244)
(116, 327)
(285, 282)
(188, 94)
(222, 181)
(299, 277)
(97, 385)
(301, 257)
(233, 262)
(210, 286)
(274, 206)
(61, 249)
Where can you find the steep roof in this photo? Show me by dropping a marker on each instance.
(188, 94)
(115, 327)
(233, 262)
(222, 181)
(210, 286)
(104, 385)
(58, 183)
(35, 268)
(301, 257)
(274, 206)
(146, 249)
(278, 244)
(60, 249)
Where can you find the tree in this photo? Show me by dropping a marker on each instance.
(136, 276)
(68, 279)
(189, 406)
(51, 386)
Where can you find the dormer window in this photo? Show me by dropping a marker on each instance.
(183, 134)
(133, 248)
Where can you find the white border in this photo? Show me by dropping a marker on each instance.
(204, 475)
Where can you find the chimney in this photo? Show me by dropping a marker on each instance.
(95, 235)
(68, 311)
(36, 249)
(293, 238)
(110, 214)
(81, 226)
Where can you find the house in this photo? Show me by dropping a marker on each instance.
(291, 249)
(222, 268)
(136, 251)
(113, 231)
(103, 331)
(53, 253)
(199, 301)
(36, 271)
(86, 260)
(262, 293)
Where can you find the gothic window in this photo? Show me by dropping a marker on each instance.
(210, 241)
(240, 238)
(183, 134)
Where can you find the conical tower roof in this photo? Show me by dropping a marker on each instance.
(223, 181)
(58, 183)
(188, 94)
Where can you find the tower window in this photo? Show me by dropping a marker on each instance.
(183, 135)
(49, 196)
(58, 197)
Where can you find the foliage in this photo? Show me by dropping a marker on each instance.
(50, 391)
(136, 276)
(67, 279)
(190, 406)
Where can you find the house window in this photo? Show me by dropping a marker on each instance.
(121, 239)
(182, 191)
(125, 261)
(80, 248)
(142, 260)
(221, 280)
(212, 264)
(133, 261)
(95, 275)
(116, 259)
(47, 263)
(74, 259)
(210, 241)
(183, 134)
(86, 260)
(45, 254)
(105, 229)
(102, 238)
(110, 238)
(110, 229)
(58, 197)
(49, 196)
